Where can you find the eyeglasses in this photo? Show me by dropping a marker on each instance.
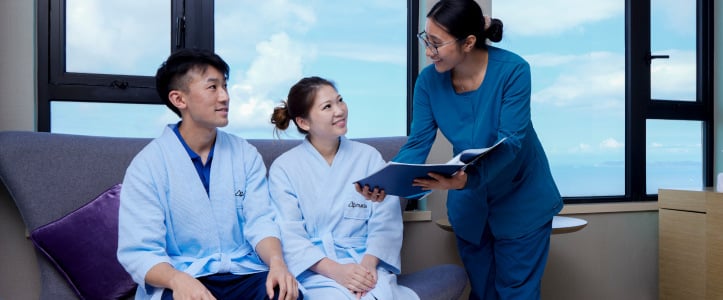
(422, 36)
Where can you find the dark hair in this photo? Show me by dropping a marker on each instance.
(298, 103)
(462, 18)
(171, 75)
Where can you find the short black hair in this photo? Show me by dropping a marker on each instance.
(170, 75)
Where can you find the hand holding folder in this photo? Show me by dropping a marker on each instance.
(396, 178)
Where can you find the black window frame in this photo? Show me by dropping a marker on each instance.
(641, 107)
(192, 26)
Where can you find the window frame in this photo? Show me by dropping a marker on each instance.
(640, 107)
(192, 26)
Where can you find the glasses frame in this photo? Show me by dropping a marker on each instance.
(422, 36)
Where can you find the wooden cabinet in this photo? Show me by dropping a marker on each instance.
(690, 257)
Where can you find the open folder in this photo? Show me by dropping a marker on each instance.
(396, 178)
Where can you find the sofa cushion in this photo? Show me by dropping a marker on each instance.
(82, 246)
(440, 282)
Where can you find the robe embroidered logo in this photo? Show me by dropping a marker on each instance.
(353, 204)
(239, 193)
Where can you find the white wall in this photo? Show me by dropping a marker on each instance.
(17, 65)
(19, 278)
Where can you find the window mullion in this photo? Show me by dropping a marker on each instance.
(199, 24)
(704, 80)
(637, 95)
(44, 63)
(675, 110)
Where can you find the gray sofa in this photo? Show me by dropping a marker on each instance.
(53, 176)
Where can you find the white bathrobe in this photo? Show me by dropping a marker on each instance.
(166, 216)
(321, 215)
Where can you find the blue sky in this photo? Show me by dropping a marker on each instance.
(575, 49)
(576, 53)
(268, 44)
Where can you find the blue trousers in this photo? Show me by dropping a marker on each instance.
(506, 268)
(237, 287)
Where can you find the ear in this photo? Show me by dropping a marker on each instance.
(302, 123)
(469, 43)
(177, 98)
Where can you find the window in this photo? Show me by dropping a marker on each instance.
(622, 96)
(100, 44)
(619, 92)
(271, 45)
(102, 83)
(673, 154)
(578, 73)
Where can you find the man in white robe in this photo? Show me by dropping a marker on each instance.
(195, 220)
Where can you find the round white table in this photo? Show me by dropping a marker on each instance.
(560, 224)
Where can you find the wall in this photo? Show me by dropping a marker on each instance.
(614, 257)
(18, 278)
(17, 65)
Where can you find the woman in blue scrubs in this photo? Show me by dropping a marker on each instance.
(501, 209)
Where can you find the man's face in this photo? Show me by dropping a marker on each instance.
(205, 101)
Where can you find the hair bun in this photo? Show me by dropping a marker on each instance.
(494, 30)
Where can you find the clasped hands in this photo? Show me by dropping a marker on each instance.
(359, 279)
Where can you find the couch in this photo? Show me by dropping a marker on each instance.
(64, 187)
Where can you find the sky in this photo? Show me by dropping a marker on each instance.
(269, 46)
(575, 50)
(578, 72)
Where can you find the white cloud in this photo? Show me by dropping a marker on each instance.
(678, 16)
(675, 148)
(674, 78)
(276, 67)
(581, 148)
(607, 145)
(550, 59)
(385, 5)
(611, 143)
(277, 63)
(595, 80)
(365, 52)
(252, 112)
(104, 37)
(527, 17)
(239, 29)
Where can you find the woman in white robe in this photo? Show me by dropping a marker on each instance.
(337, 244)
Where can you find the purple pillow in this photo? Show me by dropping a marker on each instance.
(82, 245)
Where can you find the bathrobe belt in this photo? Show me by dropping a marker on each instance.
(348, 244)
